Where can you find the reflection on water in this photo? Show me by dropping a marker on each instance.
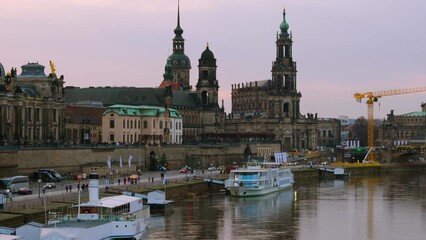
(387, 207)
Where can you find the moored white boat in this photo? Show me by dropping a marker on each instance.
(115, 217)
(257, 179)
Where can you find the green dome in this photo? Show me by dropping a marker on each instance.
(284, 26)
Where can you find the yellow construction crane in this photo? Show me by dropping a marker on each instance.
(373, 97)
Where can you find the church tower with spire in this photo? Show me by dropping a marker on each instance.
(181, 65)
(284, 72)
(207, 85)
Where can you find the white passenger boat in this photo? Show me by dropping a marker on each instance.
(257, 179)
(115, 217)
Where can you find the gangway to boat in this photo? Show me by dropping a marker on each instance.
(214, 181)
(337, 172)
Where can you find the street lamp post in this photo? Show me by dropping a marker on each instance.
(39, 182)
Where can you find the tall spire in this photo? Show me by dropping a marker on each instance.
(178, 29)
(284, 26)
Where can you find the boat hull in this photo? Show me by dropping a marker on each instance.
(253, 192)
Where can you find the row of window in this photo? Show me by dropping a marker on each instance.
(29, 114)
(133, 124)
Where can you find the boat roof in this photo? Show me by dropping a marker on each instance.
(113, 201)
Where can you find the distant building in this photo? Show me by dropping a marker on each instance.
(270, 109)
(199, 108)
(128, 124)
(404, 129)
(31, 106)
(83, 123)
(264, 110)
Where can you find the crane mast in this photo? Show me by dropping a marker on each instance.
(371, 98)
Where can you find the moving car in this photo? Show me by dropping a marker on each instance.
(185, 169)
(25, 191)
(49, 186)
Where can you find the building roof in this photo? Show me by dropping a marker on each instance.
(32, 70)
(414, 114)
(84, 114)
(113, 201)
(143, 110)
(129, 96)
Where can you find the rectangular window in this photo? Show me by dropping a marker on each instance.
(111, 123)
(29, 115)
(111, 137)
(153, 123)
(145, 124)
(37, 115)
(55, 117)
(124, 123)
(139, 124)
(161, 124)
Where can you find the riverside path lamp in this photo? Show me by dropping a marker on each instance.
(39, 182)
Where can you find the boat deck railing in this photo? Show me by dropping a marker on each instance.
(91, 217)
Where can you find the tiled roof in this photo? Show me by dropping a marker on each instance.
(84, 114)
(129, 96)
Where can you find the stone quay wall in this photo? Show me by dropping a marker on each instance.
(82, 159)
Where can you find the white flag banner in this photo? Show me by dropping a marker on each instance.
(109, 162)
(283, 157)
(164, 179)
(130, 160)
(121, 162)
(276, 156)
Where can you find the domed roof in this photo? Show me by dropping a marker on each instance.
(284, 24)
(207, 54)
(32, 70)
(180, 60)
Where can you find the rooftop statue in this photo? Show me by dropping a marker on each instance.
(52, 67)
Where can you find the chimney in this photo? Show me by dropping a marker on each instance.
(94, 188)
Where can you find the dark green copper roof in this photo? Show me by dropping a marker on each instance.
(129, 96)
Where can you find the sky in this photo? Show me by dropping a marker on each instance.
(341, 47)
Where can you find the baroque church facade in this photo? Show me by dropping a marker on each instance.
(270, 109)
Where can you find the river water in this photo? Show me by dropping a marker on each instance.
(391, 206)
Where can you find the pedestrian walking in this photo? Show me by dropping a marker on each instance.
(66, 188)
(124, 180)
(119, 180)
(70, 187)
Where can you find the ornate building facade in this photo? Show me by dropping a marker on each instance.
(270, 109)
(31, 106)
(407, 129)
(137, 124)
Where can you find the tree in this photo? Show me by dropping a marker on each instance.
(359, 131)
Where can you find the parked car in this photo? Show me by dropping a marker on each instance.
(185, 169)
(49, 186)
(211, 168)
(25, 191)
